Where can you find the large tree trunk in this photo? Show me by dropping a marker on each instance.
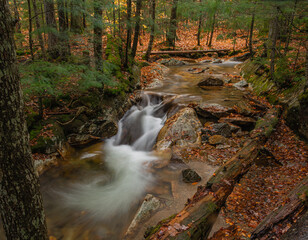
(137, 28)
(129, 31)
(20, 202)
(97, 38)
(63, 31)
(171, 35)
(150, 46)
(38, 27)
(53, 48)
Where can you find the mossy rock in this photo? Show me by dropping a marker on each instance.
(47, 144)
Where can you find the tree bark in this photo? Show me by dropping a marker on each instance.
(20, 203)
(129, 31)
(53, 48)
(171, 35)
(137, 28)
(97, 37)
(38, 27)
(150, 46)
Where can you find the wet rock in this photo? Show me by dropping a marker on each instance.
(82, 140)
(246, 123)
(206, 61)
(156, 83)
(99, 128)
(164, 157)
(211, 81)
(172, 62)
(148, 207)
(234, 128)
(223, 129)
(241, 84)
(244, 108)
(213, 111)
(212, 159)
(190, 176)
(227, 81)
(217, 139)
(197, 70)
(184, 154)
(216, 61)
(181, 129)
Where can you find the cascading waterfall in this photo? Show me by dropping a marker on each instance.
(126, 157)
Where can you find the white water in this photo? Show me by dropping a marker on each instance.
(126, 157)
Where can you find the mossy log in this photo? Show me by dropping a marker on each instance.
(197, 218)
(294, 206)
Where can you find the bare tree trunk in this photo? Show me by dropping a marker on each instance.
(251, 33)
(98, 33)
(17, 18)
(171, 34)
(129, 32)
(21, 206)
(212, 30)
(147, 55)
(274, 34)
(53, 48)
(289, 30)
(76, 16)
(64, 47)
(38, 27)
(137, 28)
(199, 29)
(30, 29)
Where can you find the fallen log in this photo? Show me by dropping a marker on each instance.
(172, 52)
(199, 215)
(277, 221)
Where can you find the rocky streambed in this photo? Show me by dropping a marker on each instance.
(184, 126)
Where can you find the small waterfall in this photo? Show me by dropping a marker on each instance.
(126, 157)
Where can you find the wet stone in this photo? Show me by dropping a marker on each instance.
(211, 81)
(190, 176)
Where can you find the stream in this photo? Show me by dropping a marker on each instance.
(96, 193)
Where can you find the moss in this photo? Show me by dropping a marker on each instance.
(152, 230)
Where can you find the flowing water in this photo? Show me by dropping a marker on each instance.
(96, 193)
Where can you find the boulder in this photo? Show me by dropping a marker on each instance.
(183, 129)
(148, 207)
(223, 129)
(213, 110)
(241, 84)
(172, 62)
(217, 139)
(246, 123)
(190, 176)
(99, 128)
(82, 140)
(211, 81)
(216, 61)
